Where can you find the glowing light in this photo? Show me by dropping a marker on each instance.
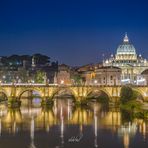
(4, 77)
(95, 81)
(126, 38)
(62, 81)
(125, 80)
(106, 62)
(141, 80)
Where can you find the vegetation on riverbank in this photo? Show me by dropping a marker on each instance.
(129, 104)
(127, 94)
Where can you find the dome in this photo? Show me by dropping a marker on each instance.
(126, 47)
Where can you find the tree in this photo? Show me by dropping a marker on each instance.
(126, 94)
(25, 58)
(77, 79)
(41, 59)
(40, 77)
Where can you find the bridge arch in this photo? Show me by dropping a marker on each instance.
(29, 89)
(98, 91)
(139, 92)
(4, 94)
(65, 91)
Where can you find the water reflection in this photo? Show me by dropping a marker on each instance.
(81, 116)
(99, 125)
(95, 125)
(12, 120)
(32, 145)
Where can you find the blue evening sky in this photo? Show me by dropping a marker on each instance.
(74, 32)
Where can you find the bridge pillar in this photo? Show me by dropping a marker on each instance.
(80, 100)
(145, 99)
(115, 99)
(47, 102)
(80, 94)
(13, 102)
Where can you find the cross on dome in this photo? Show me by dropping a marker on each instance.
(126, 40)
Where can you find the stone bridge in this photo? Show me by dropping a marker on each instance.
(80, 93)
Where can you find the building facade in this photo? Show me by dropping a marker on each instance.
(62, 77)
(131, 64)
(145, 76)
(107, 75)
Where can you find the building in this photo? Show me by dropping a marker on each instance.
(63, 75)
(145, 77)
(25, 68)
(108, 75)
(87, 72)
(131, 64)
(102, 75)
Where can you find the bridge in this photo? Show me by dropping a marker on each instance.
(13, 92)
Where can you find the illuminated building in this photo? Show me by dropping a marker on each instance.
(63, 75)
(131, 64)
(105, 75)
(108, 75)
(145, 76)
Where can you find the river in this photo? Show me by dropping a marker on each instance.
(67, 126)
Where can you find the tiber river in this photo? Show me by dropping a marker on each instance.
(65, 126)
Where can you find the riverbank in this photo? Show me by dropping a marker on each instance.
(135, 109)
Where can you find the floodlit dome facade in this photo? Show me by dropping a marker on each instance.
(126, 58)
(126, 47)
(126, 52)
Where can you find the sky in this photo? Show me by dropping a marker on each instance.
(74, 32)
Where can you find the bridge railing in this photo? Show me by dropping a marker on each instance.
(64, 85)
(25, 84)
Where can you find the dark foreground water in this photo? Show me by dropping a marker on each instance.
(69, 127)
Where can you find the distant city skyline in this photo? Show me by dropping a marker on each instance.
(72, 32)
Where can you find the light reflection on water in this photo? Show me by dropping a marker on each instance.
(34, 127)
